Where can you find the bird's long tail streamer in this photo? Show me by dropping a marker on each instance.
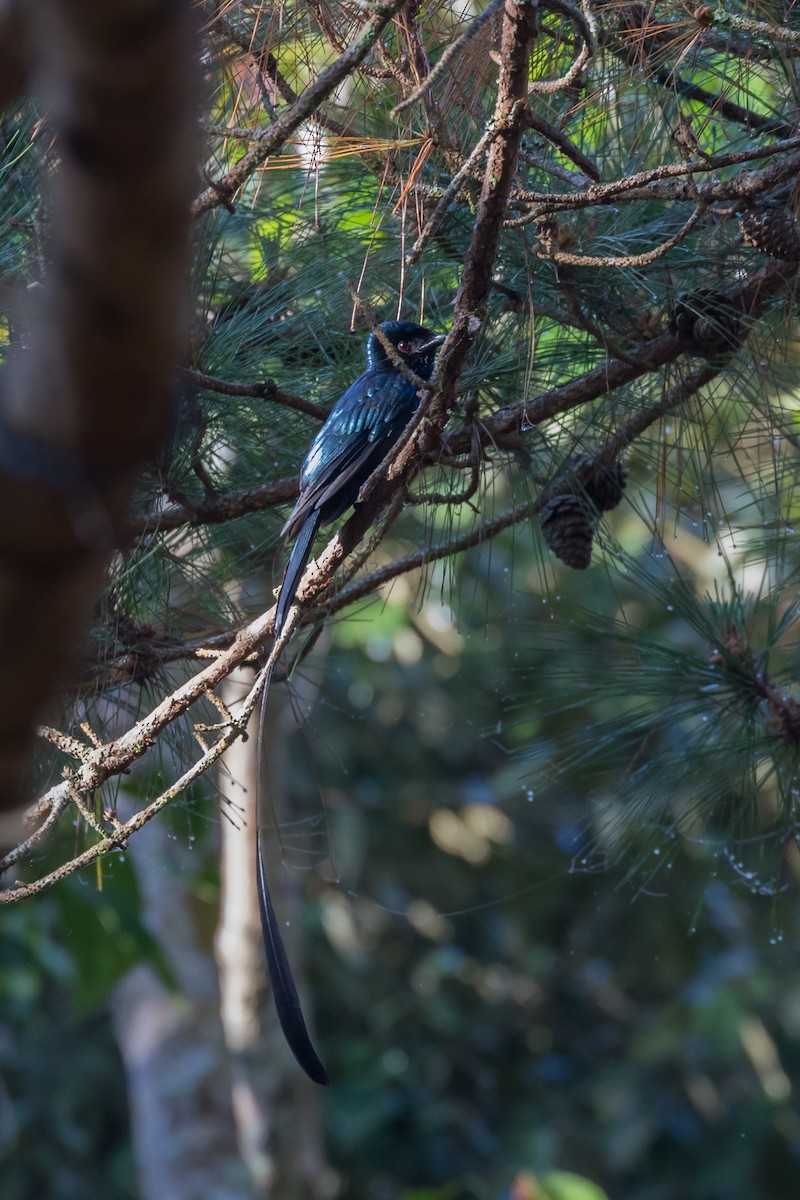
(287, 1001)
(295, 567)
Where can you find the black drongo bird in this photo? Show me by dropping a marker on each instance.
(360, 431)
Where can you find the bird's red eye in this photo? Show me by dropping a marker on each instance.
(403, 347)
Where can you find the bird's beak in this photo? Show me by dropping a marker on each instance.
(436, 340)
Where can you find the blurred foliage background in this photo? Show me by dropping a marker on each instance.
(544, 821)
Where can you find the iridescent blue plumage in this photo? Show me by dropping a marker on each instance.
(360, 431)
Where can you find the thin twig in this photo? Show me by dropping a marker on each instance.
(673, 399)
(562, 143)
(449, 54)
(279, 132)
(551, 168)
(586, 24)
(421, 558)
(450, 192)
(387, 519)
(268, 390)
(399, 363)
(621, 260)
(214, 510)
(119, 837)
(606, 193)
(58, 803)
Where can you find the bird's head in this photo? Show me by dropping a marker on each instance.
(416, 346)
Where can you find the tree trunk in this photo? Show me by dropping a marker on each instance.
(179, 1079)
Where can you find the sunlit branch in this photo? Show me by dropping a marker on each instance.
(583, 21)
(79, 781)
(774, 33)
(278, 133)
(738, 188)
(52, 811)
(449, 55)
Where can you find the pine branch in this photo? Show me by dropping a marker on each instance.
(111, 758)
(561, 142)
(743, 670)
(118, 755)
(609, 451)
(720, 106)
(623, 260)
(482, 532)
(448, 57)
(278, 133)
(772, 33)
(641, 54)
(268, 390)
(518, 31)
(605, 379)
(214, 509)
(744, 187)
(585, 23)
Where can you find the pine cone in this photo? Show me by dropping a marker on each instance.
(602, 483)
(568, 530)
(707, 321)
(772, 229)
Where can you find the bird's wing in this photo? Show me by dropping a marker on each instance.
(361, 427)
